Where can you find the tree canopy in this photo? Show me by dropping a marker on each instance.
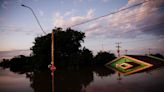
(68, 50)
(103, 57)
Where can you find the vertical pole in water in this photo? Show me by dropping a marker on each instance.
(52, 52)
(52, 60)
(118, 48)
(149, 51)
(126, 52)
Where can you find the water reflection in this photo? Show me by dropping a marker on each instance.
(103, 71)
(97, 79)
(152, 81)
(12, 82)
(66, 80)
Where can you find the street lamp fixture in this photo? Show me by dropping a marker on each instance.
(34, 16)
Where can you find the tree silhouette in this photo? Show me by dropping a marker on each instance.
(158, 55)
(103, 57)
(68, 50)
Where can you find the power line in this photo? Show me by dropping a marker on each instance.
(124, 23)
(131, 16)
(111, 13)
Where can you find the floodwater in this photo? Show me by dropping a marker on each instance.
(83, 80)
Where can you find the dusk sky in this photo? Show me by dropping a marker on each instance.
(137, 28)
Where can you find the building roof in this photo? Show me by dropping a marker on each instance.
(145, 63)
(149, 59)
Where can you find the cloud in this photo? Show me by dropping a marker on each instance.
(77, 1)
(60, 21)
(105, 1)
(12, 29)
(2, 20)
(70, 13)
(41, 13)
(95, 26)
(5, 4)
(36, 0)
(143, 19)
(80, 0)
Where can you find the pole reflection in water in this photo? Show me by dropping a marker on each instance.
(52, 74)
(119, 78)
(53, 68)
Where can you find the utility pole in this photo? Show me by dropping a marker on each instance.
(126, 52)
(149, 49)
(52, 67)
(52, 52)
(102, 47)
(118, 48)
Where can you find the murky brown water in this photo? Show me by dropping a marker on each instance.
(84, 80)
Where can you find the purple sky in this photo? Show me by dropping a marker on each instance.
(137, 28)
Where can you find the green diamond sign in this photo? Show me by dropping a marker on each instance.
(127, 65)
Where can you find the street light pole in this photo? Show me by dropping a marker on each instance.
(35, 17)
(52, 67)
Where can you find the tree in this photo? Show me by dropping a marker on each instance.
(67, 49)
(5, 63)
(158, 55)
(86, 57)
(103, 57)
(18, 64)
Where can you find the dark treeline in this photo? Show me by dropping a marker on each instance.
(20, 64)
(158, 55)
(68, 53)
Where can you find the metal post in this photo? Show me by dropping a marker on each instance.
(126, 52)
(52, 52)
(118, 48)
(52, 48)
(52, 68)
(149, 51)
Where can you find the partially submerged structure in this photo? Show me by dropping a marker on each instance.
(129, 64)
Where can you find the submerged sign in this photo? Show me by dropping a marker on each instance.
(133, 63)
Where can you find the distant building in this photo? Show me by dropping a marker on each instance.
(129, 64)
